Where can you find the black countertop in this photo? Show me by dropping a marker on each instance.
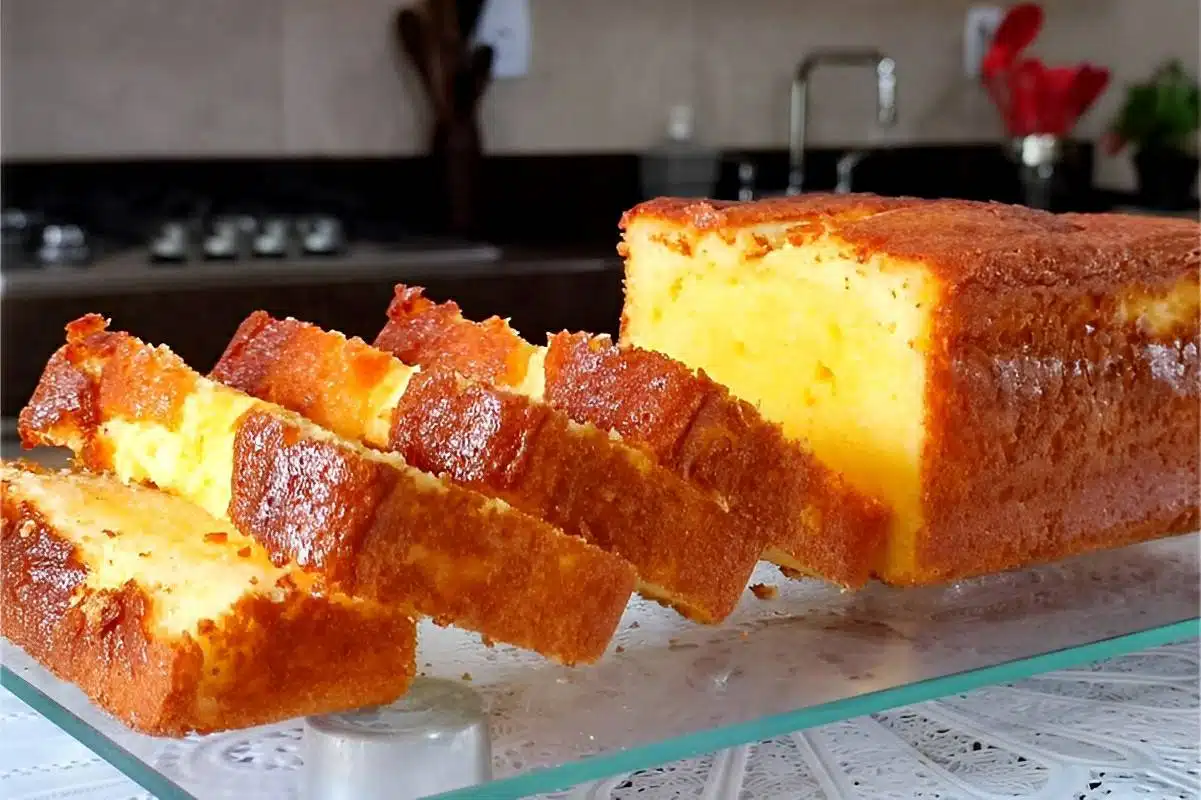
(551, 215)
(550, 199)
(131, 272)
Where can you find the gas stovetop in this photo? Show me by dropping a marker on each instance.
(29, 239)
(134, 271)
(32, 240)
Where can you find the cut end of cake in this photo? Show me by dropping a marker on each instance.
(852, 330)
(202, 564)
(211, 634)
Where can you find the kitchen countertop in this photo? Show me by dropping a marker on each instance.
(130, 272)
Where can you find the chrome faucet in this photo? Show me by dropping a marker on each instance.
(798, 112)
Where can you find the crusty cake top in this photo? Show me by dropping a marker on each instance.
(963, 241)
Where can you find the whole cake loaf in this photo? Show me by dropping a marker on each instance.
(174, 621)
(364, 521)
(688, 552)
(1016, 386)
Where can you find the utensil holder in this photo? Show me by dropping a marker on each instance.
(455, 148)
(1038, 156)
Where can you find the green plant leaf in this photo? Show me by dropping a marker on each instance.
(1163, 112)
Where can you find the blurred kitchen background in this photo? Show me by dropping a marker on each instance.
(177, 165)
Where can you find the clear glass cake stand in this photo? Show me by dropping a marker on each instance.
(669, 689)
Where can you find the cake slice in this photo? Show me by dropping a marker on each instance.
(172, 620)
(1016, 386)
(688, 552)
(812, 521)
(367, 522)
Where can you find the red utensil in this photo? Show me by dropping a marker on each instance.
(1089, 85)
(1032, 97)
(1015, 33)
(1028, 83)
(1000, 89)
(1059, 112)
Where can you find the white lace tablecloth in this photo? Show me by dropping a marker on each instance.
(1124, 728)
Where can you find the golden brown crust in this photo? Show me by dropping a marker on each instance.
(1055, 431)
(693, 426)
(446, 552)
(450, 555)
(964, 243)
(272, 359)
(645, 398)
(1054, 424)
(483, 351)
(577, 478)
(296, 656)
(474, 433)
(688, 552)
(141, 383)
(729, 216)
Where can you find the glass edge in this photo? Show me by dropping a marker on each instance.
(117, 756)
(651, 755)
(553, 779)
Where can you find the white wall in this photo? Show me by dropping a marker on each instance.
(321, 77)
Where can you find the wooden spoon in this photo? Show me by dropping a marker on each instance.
(480, 69)
(468, 13)
(410, 29)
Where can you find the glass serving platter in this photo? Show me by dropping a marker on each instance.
(668, 689)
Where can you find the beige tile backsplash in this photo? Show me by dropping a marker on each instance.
(321, 77)
(140, 77)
